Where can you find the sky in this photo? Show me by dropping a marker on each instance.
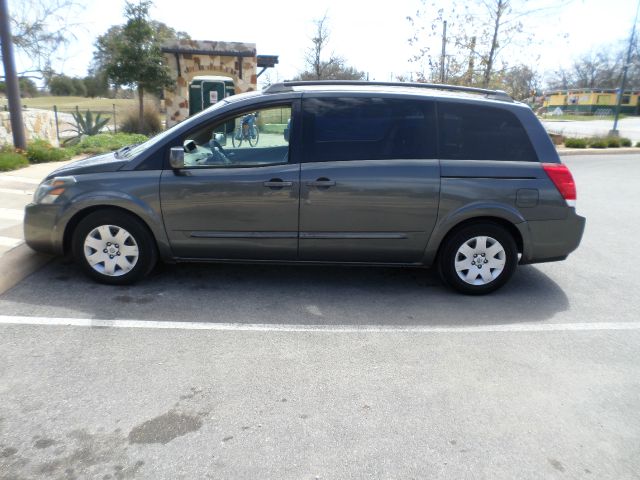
(371, 36)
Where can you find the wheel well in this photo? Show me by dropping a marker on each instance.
(78, 217)
(507, 225)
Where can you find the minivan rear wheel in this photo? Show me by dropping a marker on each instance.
(113, 247)
(478, 259)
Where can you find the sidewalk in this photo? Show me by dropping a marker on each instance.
(628, 127)
(16, 191)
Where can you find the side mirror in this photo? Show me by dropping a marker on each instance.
(176, 157)
(221, 138)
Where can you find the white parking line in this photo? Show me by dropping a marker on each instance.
(16, 191)
(265, 327)
(10, 242)
(19, 179)
(12, 214)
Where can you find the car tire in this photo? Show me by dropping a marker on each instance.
(114, 247)
(478, 259)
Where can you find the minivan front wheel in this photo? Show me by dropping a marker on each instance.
(478, 259)
(114, 247)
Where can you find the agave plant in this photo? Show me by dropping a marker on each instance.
(86, 125)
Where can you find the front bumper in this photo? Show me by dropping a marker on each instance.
(41, 230)
(551, 240)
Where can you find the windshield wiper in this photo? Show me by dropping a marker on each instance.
(120, 152)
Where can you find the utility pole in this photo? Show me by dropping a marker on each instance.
(623, 82)
(444, 51)
(11, 79)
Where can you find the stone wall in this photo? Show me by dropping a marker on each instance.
(194, 64)
(38, 124)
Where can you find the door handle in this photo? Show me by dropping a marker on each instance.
(322, 182)
(277, 183)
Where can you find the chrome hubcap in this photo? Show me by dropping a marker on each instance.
(480, 260)
(111, 250)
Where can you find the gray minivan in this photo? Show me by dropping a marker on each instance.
(358, 173)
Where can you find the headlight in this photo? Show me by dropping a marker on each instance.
(49, 190)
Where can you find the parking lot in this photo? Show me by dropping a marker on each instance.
(236, 371)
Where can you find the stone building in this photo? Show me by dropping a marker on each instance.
(190, 58)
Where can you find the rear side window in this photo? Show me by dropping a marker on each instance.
(473, 132)
(340, 129)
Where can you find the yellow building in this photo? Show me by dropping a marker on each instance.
(590, 101)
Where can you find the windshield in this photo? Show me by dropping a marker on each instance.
(137, 149)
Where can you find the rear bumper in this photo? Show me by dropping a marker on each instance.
(552, 240)
(41, 228)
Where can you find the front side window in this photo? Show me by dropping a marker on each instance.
(254, 138)
(360, 128)
(476, 132)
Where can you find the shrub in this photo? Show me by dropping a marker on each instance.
(637, 144)
(598, 143)
(10, 159)
(40, 151)
(575, 143)
(61, 85)
(107, 142)
(86, 124)
(151, 123)
(613, 142)
(625, 142)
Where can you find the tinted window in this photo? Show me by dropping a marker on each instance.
(367, 129)
(472, 132)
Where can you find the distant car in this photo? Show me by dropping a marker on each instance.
(358, 173)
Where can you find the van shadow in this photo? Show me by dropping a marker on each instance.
(267, 294)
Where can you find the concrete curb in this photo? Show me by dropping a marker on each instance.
(18, 263)
(564, 152)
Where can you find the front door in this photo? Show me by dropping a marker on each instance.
(235, 202)
(370, 180)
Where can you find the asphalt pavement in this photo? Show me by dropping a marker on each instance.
(231, 371)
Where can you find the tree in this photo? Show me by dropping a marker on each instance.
(600, 68)
(108, 44)
(132, 54)
(28, 87)
(96, 85)
(318, 68)
(478, 33)
(40, 29)
(521, 82)
(61, 85)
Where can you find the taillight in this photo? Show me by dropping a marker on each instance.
(563, 180)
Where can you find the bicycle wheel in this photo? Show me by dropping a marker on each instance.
(254, 136)
(236, 139)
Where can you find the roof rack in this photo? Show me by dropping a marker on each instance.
(287, 86)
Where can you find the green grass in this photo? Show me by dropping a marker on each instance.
(41, 151)
(68, 104)
(10, 159)
(575, 143)
(273, 128)
(106, 142)
(597, 142)
(578, 118)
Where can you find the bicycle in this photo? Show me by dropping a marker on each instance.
(247, 130)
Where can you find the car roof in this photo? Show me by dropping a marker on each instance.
(407, 88)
